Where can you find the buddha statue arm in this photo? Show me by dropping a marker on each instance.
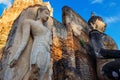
(25, 27)
(96, 41)
(100, 51)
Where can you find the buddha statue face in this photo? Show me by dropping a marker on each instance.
(43, 13)
(99, 25)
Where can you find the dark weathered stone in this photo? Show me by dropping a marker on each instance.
(78, 38)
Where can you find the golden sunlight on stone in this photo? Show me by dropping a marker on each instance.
(10, 14)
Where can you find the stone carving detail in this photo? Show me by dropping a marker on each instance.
(17, 35)
(105, 50)
(10, 14)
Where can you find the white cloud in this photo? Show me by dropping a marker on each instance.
(110, 19)
(113, 19)
(96, 1)
(112, 4)
(6, 2)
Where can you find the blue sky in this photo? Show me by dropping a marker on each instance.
(108, 9)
